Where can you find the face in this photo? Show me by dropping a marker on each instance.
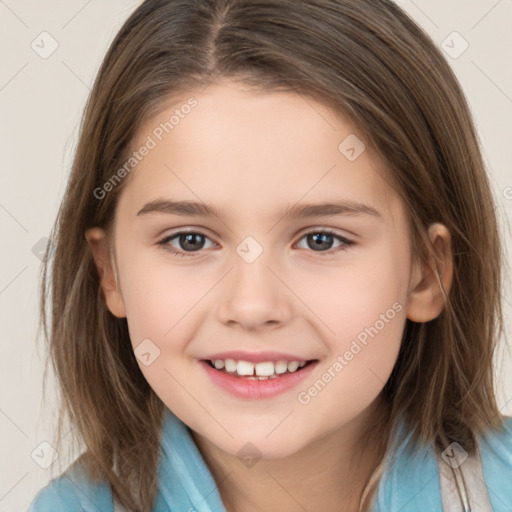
(330, 288)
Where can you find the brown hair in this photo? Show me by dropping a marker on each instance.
(368, 60)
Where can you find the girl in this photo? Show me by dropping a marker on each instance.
(212, 353)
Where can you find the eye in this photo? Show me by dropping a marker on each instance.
(193, 241)
(323, 239)
(190, 241)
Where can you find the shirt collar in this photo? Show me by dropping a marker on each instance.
(186, 483)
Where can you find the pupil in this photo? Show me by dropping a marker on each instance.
(189, 238)
(319, 239)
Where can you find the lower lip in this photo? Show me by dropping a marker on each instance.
(257, 389)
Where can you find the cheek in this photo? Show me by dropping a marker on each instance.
(362, 356)
(159, 296)
(160, 300)
(353, 295)
(362, 311)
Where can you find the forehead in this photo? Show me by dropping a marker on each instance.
(249, 151)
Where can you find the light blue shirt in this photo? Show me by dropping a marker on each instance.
(410, 482)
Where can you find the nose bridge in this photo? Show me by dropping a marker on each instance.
(254, 295)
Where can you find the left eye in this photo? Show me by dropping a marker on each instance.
(319, 239)
(192, 241)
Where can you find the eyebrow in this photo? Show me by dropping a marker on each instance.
(196, 209)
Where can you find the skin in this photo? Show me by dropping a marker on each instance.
(253, 154)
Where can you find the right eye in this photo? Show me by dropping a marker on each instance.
(190, 242)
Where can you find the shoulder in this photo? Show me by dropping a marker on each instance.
(410, 479)
(417, 466)
(496, 455)
(73, 491)
(500, 440)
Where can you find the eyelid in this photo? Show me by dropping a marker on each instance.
(162, 240)
(326, 229)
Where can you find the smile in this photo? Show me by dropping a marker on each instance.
(243, 379)
(257, 371)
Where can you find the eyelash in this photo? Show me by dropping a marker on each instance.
(165, 241)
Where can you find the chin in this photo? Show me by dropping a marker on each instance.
(258, 447)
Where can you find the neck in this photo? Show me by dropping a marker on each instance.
(329, 474)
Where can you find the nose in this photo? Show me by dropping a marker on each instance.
(254, 296)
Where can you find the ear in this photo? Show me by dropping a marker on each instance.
(97, 240)
(425, 301)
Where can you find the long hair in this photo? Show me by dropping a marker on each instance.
(368, 60)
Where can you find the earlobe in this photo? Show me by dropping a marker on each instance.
(426, 298)
(97, 240)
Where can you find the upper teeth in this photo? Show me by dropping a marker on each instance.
(264, 369)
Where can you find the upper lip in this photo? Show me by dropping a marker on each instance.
(255, 357)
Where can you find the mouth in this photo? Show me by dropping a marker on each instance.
(259, 380)
(266, 370)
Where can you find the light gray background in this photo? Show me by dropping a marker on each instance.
(41, 101)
